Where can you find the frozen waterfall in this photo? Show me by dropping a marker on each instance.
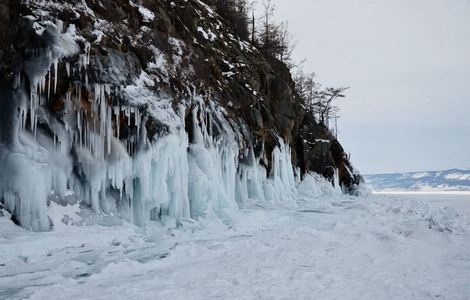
(96, 151)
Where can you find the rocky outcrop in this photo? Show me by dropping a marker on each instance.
(120, 76)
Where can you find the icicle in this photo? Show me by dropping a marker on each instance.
(56, 64)
(49, 85)
(336, 181)
(43, 84)
(137, 120)
(33, 105)
(79, 127)
(67, 68)
(87, 50)
(109, 133)
(103, 110)
(17, 82)
(117, 113)
(107, 88)
(85, 135)
(79, 95)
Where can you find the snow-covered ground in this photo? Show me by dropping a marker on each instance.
(331, 247)
(459, 201)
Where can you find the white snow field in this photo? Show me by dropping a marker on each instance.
(458, 200)
(318, 247)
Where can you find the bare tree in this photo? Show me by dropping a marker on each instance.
(306, 86)
(235, 12)
(325, 100)
(286, 44)
(274, 39)
(266, 35)
(316, 99)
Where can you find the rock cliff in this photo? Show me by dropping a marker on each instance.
(141, 109)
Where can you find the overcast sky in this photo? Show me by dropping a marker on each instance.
(408, 65)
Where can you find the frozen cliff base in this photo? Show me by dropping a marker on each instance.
(318, 247)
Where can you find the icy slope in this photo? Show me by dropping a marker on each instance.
(320, 247)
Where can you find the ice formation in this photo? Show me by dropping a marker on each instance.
(84, 156)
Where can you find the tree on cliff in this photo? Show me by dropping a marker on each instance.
(274, 39)
(235, 12)
(317, 99)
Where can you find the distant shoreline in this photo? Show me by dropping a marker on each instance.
(423, 192)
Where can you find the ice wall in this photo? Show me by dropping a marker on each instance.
(96, 149)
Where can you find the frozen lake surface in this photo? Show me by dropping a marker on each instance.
(329, 247)
(460, 201)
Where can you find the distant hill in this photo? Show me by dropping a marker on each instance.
(448, 180)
